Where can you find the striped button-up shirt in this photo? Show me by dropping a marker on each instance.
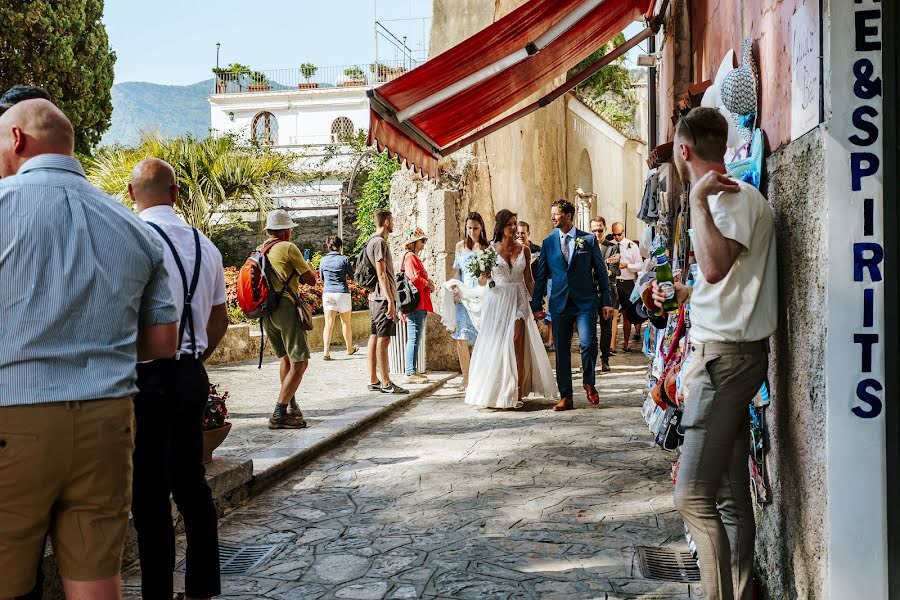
(79, 274)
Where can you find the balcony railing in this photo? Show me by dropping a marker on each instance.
(239, 82)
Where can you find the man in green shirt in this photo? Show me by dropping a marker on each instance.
(286, 336)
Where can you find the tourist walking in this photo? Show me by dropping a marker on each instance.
(733, 312)
(465, 332)
(572, 258)
(171, 401)
(598, 229)
(630, 263)
(508, 361)
(68, 356)
(382, 306)
(286, 335)
(335, 271)
(415, 272)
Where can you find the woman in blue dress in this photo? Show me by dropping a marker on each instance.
(465, 333)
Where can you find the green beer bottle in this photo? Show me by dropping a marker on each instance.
(666, 283)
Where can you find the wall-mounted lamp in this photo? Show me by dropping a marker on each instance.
(647, 60)
(231, 116)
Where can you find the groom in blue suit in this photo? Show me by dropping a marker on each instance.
(572, 259)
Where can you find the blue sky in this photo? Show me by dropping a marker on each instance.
(174, 42)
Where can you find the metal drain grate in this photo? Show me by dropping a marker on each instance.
(667, 564)
(235, 559)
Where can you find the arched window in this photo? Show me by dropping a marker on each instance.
(265, 128)
(341, 130)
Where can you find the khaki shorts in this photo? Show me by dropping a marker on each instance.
(65, 468)
(286, 336)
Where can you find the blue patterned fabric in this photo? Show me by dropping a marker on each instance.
(465, 329)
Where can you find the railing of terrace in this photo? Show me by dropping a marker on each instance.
(309, 77)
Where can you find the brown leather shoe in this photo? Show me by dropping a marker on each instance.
(564, 404)
(592, 395)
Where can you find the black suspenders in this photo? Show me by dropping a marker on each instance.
(187, 315)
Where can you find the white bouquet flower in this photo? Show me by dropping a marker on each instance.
(483, 263)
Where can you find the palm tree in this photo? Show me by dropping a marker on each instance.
(217, 177)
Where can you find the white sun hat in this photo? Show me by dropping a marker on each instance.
(279, 219)
(712, 98)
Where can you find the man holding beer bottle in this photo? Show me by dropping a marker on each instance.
(733, 313)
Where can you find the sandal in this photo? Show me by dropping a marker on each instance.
(326, 357)
(353, 351)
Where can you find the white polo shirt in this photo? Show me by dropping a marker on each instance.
(743, 307)
(211, 283)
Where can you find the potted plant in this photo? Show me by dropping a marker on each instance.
(385, 73)
(230, 74)
(355, 76)
(308, 70)
(258, 82)
(215, 427)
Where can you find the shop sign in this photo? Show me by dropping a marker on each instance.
(806, 83)
(855, 440)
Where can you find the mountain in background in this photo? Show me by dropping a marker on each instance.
(171, 109)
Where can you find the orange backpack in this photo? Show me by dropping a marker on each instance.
(255, 293)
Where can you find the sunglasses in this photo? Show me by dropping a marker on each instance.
(691, 131)
(618, 234)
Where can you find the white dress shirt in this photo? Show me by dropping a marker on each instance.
(211, 283)
(630, 256)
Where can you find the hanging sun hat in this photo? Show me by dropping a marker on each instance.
(712, 98)
(749, 169)
(739, 92)
(415, 235)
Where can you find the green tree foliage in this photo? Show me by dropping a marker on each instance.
(375, 194)
(214, 175)
(609, 91)
(62, 46)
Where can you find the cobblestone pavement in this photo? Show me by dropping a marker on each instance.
(446, 501)
(332, 396)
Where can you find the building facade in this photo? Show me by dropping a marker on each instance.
(824, 110)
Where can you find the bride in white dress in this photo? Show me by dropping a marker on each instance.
(509, 361)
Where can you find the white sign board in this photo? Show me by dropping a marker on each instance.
(855, 305)
(806, 84)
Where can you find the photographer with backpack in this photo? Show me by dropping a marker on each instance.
(286, 268)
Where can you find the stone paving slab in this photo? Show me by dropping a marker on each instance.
(442, 500)
(333, 397)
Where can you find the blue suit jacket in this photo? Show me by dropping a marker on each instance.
(583, 280)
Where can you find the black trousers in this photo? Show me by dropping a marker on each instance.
(606, 334)
(168, 457)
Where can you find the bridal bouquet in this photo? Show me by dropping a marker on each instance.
(481, 263)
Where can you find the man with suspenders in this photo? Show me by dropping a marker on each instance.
(172, 397)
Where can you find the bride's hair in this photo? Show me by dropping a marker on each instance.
(482, 237)
(500, 223)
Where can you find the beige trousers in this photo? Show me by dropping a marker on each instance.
(712, 492)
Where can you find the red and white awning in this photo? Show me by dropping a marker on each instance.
(457, 97)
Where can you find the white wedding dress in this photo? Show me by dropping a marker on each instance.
(493, 376)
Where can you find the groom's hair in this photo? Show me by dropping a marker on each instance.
(565, 206)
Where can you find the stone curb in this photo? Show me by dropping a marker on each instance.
(263, 480)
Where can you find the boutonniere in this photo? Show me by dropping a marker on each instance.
(580, 243)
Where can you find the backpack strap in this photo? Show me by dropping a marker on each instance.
(284, 282)
(187, 314)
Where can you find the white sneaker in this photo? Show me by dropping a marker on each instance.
(416, 379)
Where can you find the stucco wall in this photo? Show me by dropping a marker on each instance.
(717, 27)
(616, 165)
(791, 539)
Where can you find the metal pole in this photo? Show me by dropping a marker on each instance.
(341, 219)
(218, 45)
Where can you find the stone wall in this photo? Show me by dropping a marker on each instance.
(236, 242)
(792, 533)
